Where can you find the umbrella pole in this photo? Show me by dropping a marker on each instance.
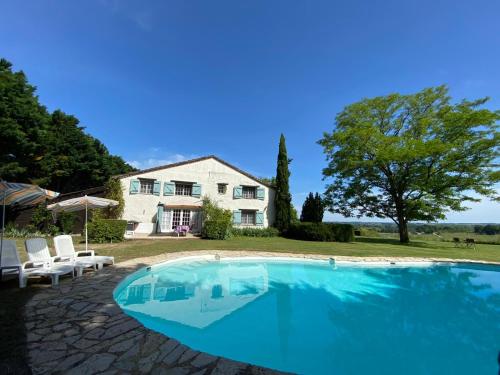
(86, 232)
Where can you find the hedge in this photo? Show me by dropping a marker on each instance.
(342, 232)
(106, 230)
(255, 232)
(321, 232)
(216, 229)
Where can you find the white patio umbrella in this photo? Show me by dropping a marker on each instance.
(81, 203)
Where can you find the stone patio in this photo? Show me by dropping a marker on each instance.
(77, 328)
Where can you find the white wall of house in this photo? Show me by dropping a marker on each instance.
(208, 173)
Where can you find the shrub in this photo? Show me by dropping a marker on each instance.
(321, 232)
(342, 232)
(66, 221)
(217, 222)
(255, 232)
(310, 232)
(12, 231)
(106, 230)
(216, 230)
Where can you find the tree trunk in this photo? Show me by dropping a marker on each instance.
(403, 232)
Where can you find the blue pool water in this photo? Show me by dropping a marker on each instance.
(314, 318)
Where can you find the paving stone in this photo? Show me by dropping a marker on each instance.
(122, 346)
(203, 360)
(188, 355)
(61, 327)
(167, 347)
(96, 363)
(52, 337)
(84, 343)
(94, 334)
(226, 367)
(152, 342)
(174, 356)
(42, 356)
(146, 364)
(200, 372)
(32, 337)
(70, 362)
(120, 329)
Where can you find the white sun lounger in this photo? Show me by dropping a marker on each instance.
(66, 251)
(11, 265)
(39, 255)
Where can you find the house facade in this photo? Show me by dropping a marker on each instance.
(160, 199)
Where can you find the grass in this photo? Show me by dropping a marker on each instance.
(448, 237)
(363, 246)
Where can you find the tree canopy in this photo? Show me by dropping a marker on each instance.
(313, 209)
(411, 157)
(48, 149)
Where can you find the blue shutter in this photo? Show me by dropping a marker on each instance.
(260, 193)
(196, 190)
(159, 216)
(134, 186)
(156, 187)
(237, 217)
(238, 192)
(259, 218)
(168, 188)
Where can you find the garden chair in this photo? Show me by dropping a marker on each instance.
(39, 256)
(66, 251)
(11, 266)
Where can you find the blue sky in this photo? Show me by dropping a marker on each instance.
(162, 81)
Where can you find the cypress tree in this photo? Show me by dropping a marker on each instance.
(307, 213)
(282, 198)
(319, 208)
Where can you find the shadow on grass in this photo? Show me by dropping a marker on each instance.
(394, 241)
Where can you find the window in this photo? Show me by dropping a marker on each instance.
(248, 192)
(248, 217)
(146, 186)
(183, 189)
(222, 188)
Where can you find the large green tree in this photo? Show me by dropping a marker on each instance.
(48, 149)
(411, 157)
(283, 198)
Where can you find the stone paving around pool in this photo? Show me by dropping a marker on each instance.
(77, 328)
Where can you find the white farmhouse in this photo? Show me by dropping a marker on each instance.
(160, 199)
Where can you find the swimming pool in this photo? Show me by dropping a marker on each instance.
(314, 317)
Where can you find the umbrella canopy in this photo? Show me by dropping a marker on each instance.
(14, 193)
(17, 194)
(79, 204)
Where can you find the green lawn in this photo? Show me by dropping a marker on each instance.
(363, 246)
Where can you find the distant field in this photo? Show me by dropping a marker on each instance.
(448, 237)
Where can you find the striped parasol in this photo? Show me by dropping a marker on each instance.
(17, 194)
(14, 193)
